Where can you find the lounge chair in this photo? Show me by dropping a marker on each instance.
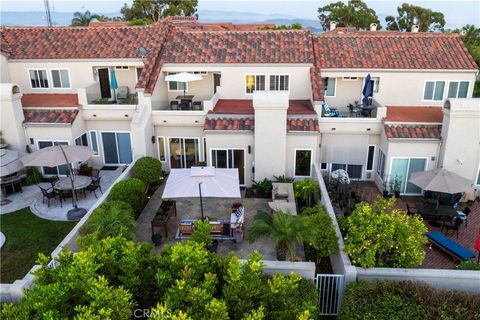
(449, 246)
(122, 93)
(329, 112)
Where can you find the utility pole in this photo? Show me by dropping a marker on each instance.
(47, 13)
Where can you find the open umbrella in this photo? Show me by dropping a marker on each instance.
(183, 77)
(113, 82)
(9, 162)
(367, 90)
(202, 181)
(58, 155)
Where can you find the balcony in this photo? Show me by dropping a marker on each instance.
(355, 110)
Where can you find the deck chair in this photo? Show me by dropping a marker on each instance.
(329, 112)
(122, 93)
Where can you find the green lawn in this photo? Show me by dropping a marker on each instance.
(27, 235)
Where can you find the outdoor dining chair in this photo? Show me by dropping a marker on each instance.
(463, 215)
(174, 105)
(452, 224)
(94, 185)
(48, 195)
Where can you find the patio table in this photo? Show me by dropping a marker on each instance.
(187, 97)
(79, 182)
(437, 214)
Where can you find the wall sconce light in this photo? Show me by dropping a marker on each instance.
(164, 121)
(196, 121)
(153, 139)
(333, 129)
(249, 149)
(369, 129)
(432, 158)
(126, 115)
(94, 115)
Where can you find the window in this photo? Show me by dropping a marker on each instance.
(402, 169)
(161, 148)
(203, 73)
(370, 157)
(117, 148)
(381, 164)
(477, 182)
(350, 78)
(184, 152)
(94, 141)
(323, 166)
(434, 90)
(177, 86)
(279, 83)
(457, 89)
(376, 85)
(82, 140)
(60, 78)
(138, 72)
(354, 171)
(38, 78)
(330, 84)
(121, 68)
(204, 149)
(55, 171)
(230, 158)
(254, 83)
(303, 163)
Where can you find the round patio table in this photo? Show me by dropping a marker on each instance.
(79, 182)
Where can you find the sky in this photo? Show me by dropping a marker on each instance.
(457, 12)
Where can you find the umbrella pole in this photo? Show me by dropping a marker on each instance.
(201, 201)
(74, 200)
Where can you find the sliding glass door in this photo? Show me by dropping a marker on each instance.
(402, 169)
(184, 152)
(117, 148)
(230, 159)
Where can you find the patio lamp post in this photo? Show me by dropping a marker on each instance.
(201, 201)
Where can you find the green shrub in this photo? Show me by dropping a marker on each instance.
(111, 218)
(324, 238)
(392, 300)
(283, 179)
(306, 190)
(33, 176)
(131, 191)
(202, 232)
(262, 189)
(380, 236)
(468, 265)
(148, 169)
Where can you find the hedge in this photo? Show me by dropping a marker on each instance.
(131, 191)
(148, 169)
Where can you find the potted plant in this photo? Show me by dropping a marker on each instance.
(385, 189)
(157, 239)
(85, 170)
(395, 186)
(306, 190)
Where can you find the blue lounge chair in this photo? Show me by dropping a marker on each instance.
(449, 246)
(329, 112)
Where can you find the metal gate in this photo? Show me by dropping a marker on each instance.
(330, 293)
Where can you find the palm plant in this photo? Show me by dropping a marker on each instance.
(283, 229)
(306, 190)
(83, 19)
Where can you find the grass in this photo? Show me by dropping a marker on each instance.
(26, 236)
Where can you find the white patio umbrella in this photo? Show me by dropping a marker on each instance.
(9, 162)
(58, 155)
(209, 182)
(183, 77)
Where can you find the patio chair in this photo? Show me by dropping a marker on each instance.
(452, 224)
(93, 186)
(463, 215)
(197, 105)
(64, 194)
(174, 105)
(329, 112)
(412, 210)
(122, 93)
(53, 180)
(48, 195)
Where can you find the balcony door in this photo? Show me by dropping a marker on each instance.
(402, 169)
(117, 148)
(184, 152)
(230, 159)
(104, 79)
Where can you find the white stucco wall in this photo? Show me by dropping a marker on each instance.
(4, 70)
(11, 116)
(396, 88)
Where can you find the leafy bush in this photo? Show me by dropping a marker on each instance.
(324, 238)
(131, 191)
(148, 169)
(33, 176)
(468, 265)
(111, 218)
(380, 236)
(262, 189)
(202, 232)
(406, 300)
(283, 179)
(306, 190)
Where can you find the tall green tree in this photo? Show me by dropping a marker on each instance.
(355, 13)
(83, 19)
(409, 15)
(154, 10)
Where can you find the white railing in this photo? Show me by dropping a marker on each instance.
(330, 293)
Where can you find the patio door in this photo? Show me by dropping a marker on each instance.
(230, 159)
(402, 168)
(104, 79)
(184, 152)
(117, 148)
(55, 171)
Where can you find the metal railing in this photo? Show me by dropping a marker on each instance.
(330, 293)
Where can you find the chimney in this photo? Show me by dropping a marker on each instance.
(333, 25)
(373, 27)
(415, 28)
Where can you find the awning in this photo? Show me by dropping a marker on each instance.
(344, 149)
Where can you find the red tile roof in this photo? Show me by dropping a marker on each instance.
(413, 131)
(50, 116)
(103, 24)
(414, 114)
(49, 100)
(229, 123)
(391, 50)
(303, 124)
(318, 87)
(244, 106)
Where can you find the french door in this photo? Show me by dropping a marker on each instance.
(60, 170)
(402, 168)
(184, 152)
(229, 159)
(117, 148)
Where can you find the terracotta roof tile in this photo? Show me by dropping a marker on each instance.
(244, 106)
(414, 114)
(391, 50)
(49, 116)
(303, 124)
(49, 100)
(318, 87)
(413, 131)
(225, 123)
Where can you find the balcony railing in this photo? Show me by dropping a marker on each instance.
(373, 110)
(90, 95)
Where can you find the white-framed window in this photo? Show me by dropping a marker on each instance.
(161, 149)
(82, 140)
(229, 158)
(38, 78)
(350, 78)
(279, 82)
(94, 141)
(302, 162)
(122, 68)
(330, 87)
(254, 83)
(323, 166)
(177, 86)
(376, 84)
(53, 171)
(203, 73)
(458, 89)
(477, 181)
(381, 163)
(138, 72)
(60, 78)
(354, 170)
(183, 152)
(370, 158)
(434, 90)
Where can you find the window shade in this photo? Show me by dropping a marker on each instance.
(344, 148)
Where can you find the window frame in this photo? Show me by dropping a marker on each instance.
(167, 141)
(373, 158)
(59, 74)
(79, 137)
(346, 169)
(175, 90)
(96, 152)
(295, 161)
(434, 88)
(116, 141)
(279, 75)
(458, 88)
(334, 89)
(30, 79)
(53, 143)
(122, 68)
(136, 73)
(477, 178)
(382, 164)
(267, 84)
(389, 175)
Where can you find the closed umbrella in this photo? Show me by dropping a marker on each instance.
(183, 77)
(477, 245)
(58, 155)
(367, 90)
(113, 82)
